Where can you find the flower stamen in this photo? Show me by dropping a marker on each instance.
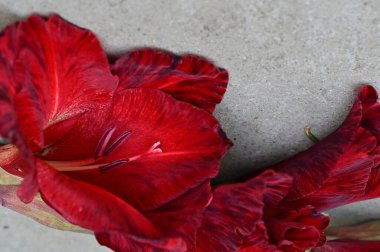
(117, 142)
(103, 142)
(103, 149)
(154, 148)
(106, 167)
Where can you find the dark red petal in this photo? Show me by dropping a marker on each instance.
(235, 212)
(355, 174)
(10, 129)
(188, 77)
(50, 70)
(182, 216)
(371, 120)
(189, 137)
(297, 230)
(349, 246)
(28, 188)
(293, 236)
(55, 70)
(372, 189)
(277, 186)
(349, 177)
(371, 110)
(67, 66)
(91, 207)
(120, 242)
(9, 88)
(234, 218)
(368, 96)
(19, 123)
(312, 167)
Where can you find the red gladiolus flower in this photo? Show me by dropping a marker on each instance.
(188, 78)
(247, 217)
(345, 164)
(123, 159)
(260, 215)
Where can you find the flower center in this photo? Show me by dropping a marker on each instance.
(104, 148)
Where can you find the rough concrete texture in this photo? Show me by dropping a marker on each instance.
(292, 63)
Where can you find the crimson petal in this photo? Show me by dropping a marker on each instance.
(355, 174)
(297, 230)
(52, 70)
(349, 176)
(121, 242)
(189, 138)
(312, 167)
(67, 66)
(17, 120)
(17, 111)
(182, 216)
(368, 96)
(234, 221)
(93, 208)
(188, 78)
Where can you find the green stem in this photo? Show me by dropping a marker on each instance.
(310, 135)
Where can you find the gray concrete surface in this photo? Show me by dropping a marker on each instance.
(292, 63)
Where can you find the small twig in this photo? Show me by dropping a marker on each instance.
(310, 135)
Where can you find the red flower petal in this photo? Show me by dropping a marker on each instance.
(9, 88)
(368, 96)
(297, 230)
(371, 122)
(11, 128)
(312, 167)
(67, 65)
(349, 246)
(235, 211)
(371, 110)
(50, 70)
(121, 242)
(182, 216)
(188, 77)
(233, 220)
(348, 178)
(372, 189)
(189, 138)
(167, 182)
(91, 207)
(354, 174)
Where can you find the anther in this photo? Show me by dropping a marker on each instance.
(117, 142)
(114, 164)
(103, 142)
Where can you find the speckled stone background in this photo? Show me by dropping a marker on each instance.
(291, 64)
